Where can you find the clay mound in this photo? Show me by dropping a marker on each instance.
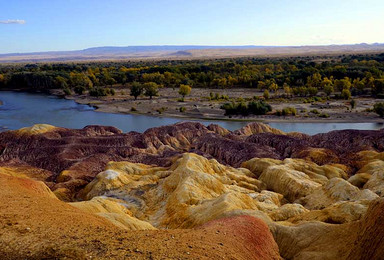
(370, 241)
(35, 225)
(257, 128)
(257, 241)
(35, 130)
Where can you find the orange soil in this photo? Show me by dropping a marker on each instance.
(35, 225)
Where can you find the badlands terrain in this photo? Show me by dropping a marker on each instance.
(187, 191)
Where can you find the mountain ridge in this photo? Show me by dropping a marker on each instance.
(190, 51)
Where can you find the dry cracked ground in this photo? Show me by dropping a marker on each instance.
(187, 191)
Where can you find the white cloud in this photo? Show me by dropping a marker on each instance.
(12, 22)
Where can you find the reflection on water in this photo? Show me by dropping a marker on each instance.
(25, 109)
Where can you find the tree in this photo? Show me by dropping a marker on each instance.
(79, 82)
(136, 89)
(151, 89)
(184, 90)
(314, 80)
(272, 86)
(379, 109)
(344, 83)
(106, 78)
(328, 90)
(287, 90)
(346, 94)
(61, 82)
(2, 80)
(266, 94)
(378, 87)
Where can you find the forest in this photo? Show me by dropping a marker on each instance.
(340, 76)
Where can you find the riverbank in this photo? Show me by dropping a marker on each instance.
(199, 106)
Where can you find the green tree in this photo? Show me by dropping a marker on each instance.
(2, 79)
(314, 81)
(273, 86)
(346, 94)
(287, 90)
(184, 90)
(136, 89)
(328, 90)
(79, 82)
(61, 82)
(378, 87)
(379, 109)
(151, 89)
(266, 94)
(341, 84)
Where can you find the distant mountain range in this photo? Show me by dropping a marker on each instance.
(186, 51)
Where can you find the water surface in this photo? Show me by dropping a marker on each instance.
(25, 109)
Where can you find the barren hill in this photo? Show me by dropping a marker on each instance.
(187, 51)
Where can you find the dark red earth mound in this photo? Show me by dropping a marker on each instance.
(250, 234)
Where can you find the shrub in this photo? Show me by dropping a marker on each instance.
(133, 109)
(287, 111)
(346, 94)
(266, 94)
(315, 111)
(324, 115)
(182, 109)
(241, 108)
(217, 97)
(67, 91)
(79, 90)
(161, 110)
(378, 108)
(98, 92)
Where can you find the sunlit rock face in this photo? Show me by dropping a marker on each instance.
(308, 190)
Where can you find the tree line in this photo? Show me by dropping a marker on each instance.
(342, 76)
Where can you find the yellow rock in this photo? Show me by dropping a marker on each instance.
(115, 211)
(376, 181)
(35, 129)
(257, 128)
(119, 174)
(287, 211)
(258, 165)
(337, 213)
(317, 173)
(291, 183)
(192, 191)
(334, 191)
(359, 179)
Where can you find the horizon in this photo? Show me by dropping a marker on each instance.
(197, 45)
(73, 25)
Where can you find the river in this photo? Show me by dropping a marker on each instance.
(21, 109)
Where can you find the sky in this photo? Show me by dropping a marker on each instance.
(56, 25)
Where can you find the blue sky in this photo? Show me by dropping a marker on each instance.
(46, 25)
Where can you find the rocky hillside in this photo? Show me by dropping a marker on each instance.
(190, 191)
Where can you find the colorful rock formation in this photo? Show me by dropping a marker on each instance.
(309, 192)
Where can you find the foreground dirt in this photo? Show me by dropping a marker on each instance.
(36, 225)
